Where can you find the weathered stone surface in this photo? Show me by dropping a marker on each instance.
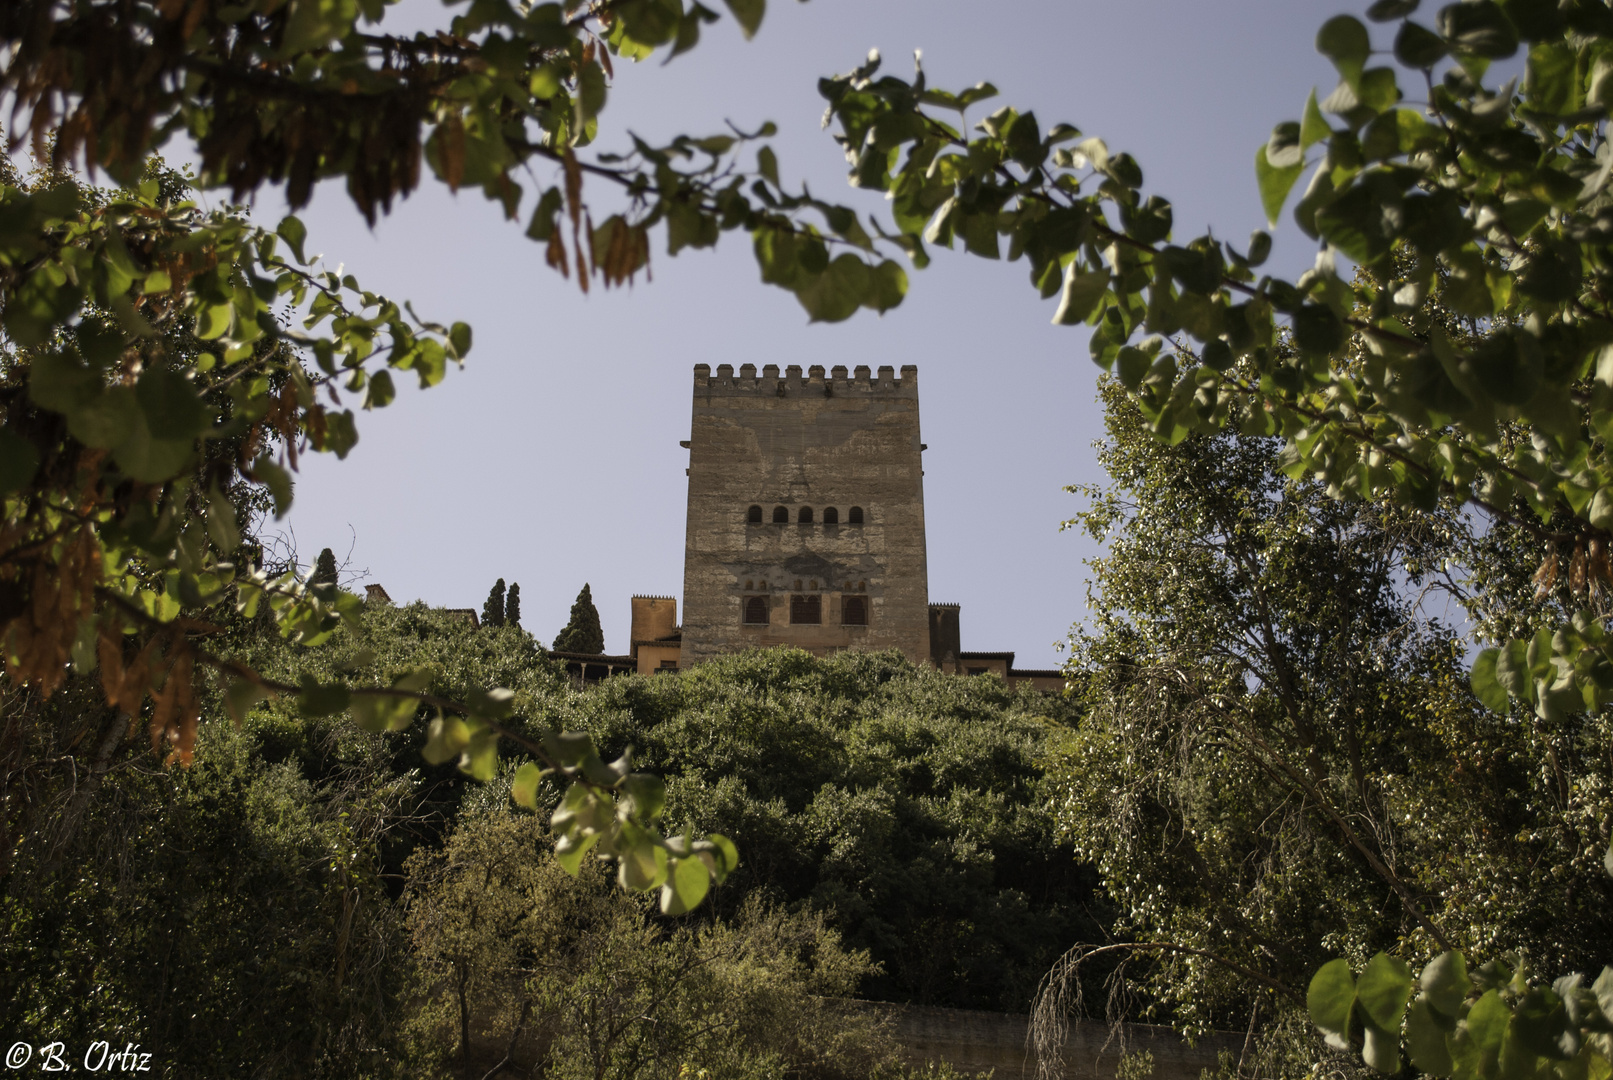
(805, 443)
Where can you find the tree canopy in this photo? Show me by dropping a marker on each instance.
(165, 366)
(582, 634)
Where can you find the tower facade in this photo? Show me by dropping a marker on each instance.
(806, 513)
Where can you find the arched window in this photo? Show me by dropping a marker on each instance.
(831, 516)
(854, 611)
(756, 610)
(754, 515)
(855, 515)
(804, 515)
(781, 516)
(806, 609)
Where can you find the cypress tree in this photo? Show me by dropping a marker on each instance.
(493, 610)
(583, 633)
(512, 606)
(324, 569)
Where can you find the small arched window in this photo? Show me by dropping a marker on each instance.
(804, 516)
(855, 515)
(754, 515)
(781, 516)
(854, 611)
(831, 516)
(756, 610)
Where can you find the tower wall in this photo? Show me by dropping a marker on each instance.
(654, 617)
(816, 441)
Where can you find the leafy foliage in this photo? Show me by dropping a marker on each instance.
(229, 918)
(146, 391)
(1279, 760)
(510, 946)
(1493, 1022)
(1487, 202)
(582, 634)
(904, 804)
(294, 93)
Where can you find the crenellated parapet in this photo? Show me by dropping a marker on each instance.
(830, 382)
(805, 520)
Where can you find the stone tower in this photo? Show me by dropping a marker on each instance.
(806, 513)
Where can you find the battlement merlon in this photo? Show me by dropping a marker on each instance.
(860, 381)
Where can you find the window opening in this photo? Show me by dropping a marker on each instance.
(805, 516)
(855, 515)
(754, 515)
(806, 609)
(780, 515)
(831, 516)
(756, 610)
(854, 611)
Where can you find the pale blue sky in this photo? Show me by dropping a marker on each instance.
(553, 458)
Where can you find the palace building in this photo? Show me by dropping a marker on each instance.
(805, 527)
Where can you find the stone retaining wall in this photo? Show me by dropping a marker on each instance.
(977, 1041)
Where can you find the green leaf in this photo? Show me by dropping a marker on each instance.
(150, 460)
(524, 788)
(1313, 126)
(836, 293)
(641, 862)
(1488, 690)
(748, 13)
(19, 460)
(1331, 998)
(1487, 1022)
(1417, 46)
(1383, 989)
(1389, 10)
(1344, 40)
(569, 850)
(1132, 366)
(240, 697)
(686, 886)
(1478, 28)
(1550, 82)
(567, 750)
(322, 699)
(479, 760)
(887, 286)
(172, 408)
(221, 524)
(497, 703)
(108, 420)
(378, 712)
(1540, 1025)
(1381, 1049)
(727, 856)
(1082, 294)
(1512, 669)
(1259, 247)
(1425, 1039)
(1379, 91)
(58, 382)
(445, 739)
(767, 164)
(1275, 184)
(1317, 330)
(643, 797)
(312, 24)
(277, 480)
